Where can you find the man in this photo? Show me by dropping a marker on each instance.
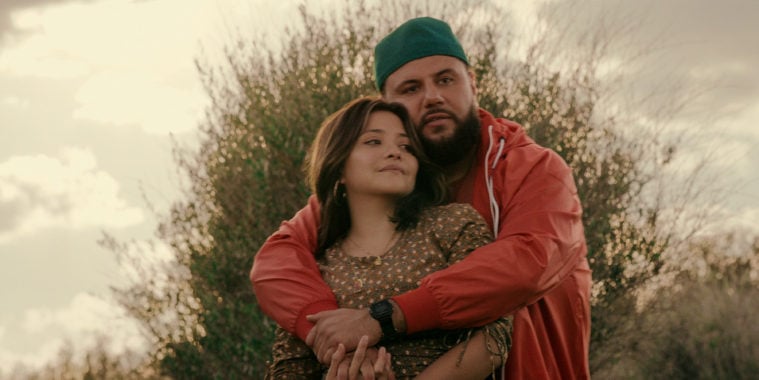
(536, 269)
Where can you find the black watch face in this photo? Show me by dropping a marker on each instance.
(383, 308)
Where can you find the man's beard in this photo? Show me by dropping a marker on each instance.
(452, 149)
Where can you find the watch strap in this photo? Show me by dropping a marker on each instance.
(382, 311)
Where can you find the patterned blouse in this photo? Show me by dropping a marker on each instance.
(443, 236)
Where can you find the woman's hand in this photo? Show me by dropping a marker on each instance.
(369, 363)
(383, 366)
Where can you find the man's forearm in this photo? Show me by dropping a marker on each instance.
(291, 292)
(285, 276)
(475, 292)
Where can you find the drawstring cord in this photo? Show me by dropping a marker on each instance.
(494, 210)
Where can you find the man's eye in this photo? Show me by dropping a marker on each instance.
(410, 90)
(446, 80)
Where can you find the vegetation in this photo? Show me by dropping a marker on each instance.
(697, 325)
(97, 363)
(267, 100)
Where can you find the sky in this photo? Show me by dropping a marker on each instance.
(93, 92)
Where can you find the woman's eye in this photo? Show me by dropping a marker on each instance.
(372, 142)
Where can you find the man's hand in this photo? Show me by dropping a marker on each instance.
(345, 326)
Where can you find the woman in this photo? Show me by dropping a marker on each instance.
(382, 230)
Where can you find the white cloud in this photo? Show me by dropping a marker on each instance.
(747, 219)
(46, 353)
(75, 39)
(140, 99)
(68, 191)
(136, 59)
(745, 121)
(14, 102)
(86, 313)
(79, 323)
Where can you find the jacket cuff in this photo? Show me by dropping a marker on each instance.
(420, 310)
(302, 325)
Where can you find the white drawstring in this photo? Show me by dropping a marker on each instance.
(494, 210)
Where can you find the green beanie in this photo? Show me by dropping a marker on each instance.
(416, 38)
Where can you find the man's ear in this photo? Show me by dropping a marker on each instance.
(473, 86)
(473, 82)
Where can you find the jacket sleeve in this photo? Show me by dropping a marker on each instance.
(285, 277)
(540, 243)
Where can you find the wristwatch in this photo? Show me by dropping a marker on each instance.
(382, 311)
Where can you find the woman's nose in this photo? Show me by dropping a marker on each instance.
(394, 151)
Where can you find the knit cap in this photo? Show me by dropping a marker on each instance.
(416, 38)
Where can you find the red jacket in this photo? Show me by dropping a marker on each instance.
(536, 269)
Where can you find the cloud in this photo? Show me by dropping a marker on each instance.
(134, 61)
(79, 324)
(86, 313)
(68, 191)
(685, 71)
(118, 34)
(139, 99)
(704, 47)
(11, 359)
(7, 7)
(14, 102)
(748, 219)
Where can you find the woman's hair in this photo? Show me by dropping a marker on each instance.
(326, 160)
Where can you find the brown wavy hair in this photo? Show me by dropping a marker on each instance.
(326, 160)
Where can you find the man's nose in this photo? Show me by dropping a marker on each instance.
(432, 96)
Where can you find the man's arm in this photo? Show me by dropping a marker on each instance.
(459, 230)
(285, 277)
(541, 241)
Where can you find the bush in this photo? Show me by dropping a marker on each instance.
(700, 326)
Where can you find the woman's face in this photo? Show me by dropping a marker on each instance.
(380, 162)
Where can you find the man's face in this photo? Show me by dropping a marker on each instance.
(439, 93)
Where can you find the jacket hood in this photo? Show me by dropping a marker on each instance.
(493, 131)
(498, 138)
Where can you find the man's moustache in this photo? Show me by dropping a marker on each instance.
(436, 111)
